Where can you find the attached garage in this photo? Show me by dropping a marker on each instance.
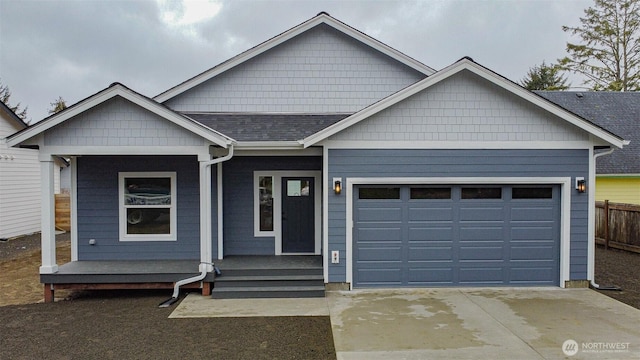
(456, 235)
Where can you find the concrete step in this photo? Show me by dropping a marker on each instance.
(267, 292)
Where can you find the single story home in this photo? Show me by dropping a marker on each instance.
(323, 145)
(618, 174)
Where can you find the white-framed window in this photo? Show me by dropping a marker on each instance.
(147, 206)
(263, 185)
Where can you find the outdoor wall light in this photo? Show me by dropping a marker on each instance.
(581, 185)
(337, 185)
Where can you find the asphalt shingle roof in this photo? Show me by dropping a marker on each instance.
(618, 112)
(266, 127)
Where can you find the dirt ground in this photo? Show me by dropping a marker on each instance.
(129, 324)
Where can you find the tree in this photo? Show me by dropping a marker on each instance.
(5, 96)
(544, 77)
(609, 52)
(57, 105)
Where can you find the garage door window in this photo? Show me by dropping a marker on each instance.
(379, 193)
(430, 193)
(532, 193)
(481, 193)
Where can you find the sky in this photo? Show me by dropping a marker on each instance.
(74, 49)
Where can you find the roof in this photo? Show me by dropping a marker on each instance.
(266, 127)
(117, 89)
(618, 112)
(321, 18)
(468, 64)
(12, 115)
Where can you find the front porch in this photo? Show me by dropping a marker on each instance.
(274, 275)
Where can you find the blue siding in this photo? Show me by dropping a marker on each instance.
(347, 163)
(238, 200)
(98, 208)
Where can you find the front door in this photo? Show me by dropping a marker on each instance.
(298, 215)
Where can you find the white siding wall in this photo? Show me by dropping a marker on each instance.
(118, 122)
(19, 187)
(463, 108)
(319, 71)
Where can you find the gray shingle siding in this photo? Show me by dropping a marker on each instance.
(347, 163)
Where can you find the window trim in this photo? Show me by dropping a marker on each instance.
(122, 213)
(256, 204)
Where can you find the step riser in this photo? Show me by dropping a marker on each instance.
(270, 272)
(230, 284)
(266, 294)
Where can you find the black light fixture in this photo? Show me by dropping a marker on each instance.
(337, 185)
(581, 185)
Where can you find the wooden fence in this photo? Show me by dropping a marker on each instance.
(63, 212)
(618, 225)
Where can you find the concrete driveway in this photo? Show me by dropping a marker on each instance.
(512, 323)
(473, 323)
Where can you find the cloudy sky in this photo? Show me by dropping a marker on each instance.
(74, 49)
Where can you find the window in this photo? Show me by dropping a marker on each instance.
(532, 193)
(297, 188)
(482, 193)
(430, 193)
(379, 193)
(147, 206)
(265, 199)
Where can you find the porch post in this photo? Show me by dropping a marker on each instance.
(206, 256)
(47, 216)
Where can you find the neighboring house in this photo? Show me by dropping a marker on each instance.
(617, 174)
(20, 189)
(323, 141)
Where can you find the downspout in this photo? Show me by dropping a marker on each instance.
(204, 166)
(592, 275)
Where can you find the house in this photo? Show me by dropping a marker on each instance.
(618, 174)
(19, 181)
(324, 145)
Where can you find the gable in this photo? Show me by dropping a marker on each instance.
(321, 70)
(9, 122)
(463, 108)
(119, 122)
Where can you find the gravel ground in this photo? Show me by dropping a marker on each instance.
(129, 324)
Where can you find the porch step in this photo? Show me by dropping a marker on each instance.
(241, 282)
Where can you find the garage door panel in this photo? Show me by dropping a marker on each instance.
(430, 234)
(378, 253)
(434, 214)
(430, 253)
(493, 251)
(481, 213)
(480, 233)
(475, 241)
(375, 214)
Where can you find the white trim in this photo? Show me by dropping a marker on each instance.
(591, 215)
(464, 64)
(630, 175)
(325, 213)
(122, 213)
(321, 18)
(299, 151)
(256, 204)
(565, 208)
(553, 145)
(122, 91)
(220, 212)
(277, 207)
(124, 150)
(47, 218)
(73, 202)
(269, 145)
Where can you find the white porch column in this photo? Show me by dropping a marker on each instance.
(206, 255)
(48, 216)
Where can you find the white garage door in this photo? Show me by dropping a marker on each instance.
(456, 235)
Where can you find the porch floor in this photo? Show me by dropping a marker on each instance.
(256, 262)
